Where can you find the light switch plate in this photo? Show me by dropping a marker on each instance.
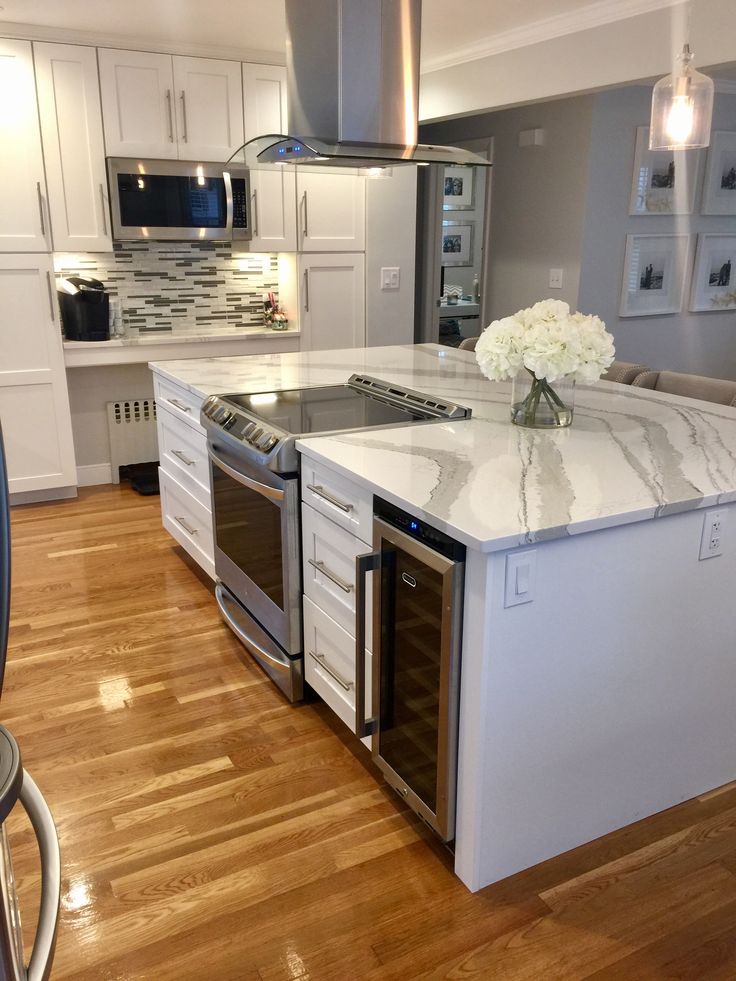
(521, 574)
(390, 277)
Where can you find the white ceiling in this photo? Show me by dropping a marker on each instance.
(451, 32)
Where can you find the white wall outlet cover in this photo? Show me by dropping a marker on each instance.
(711, 539)
(521, 574)
(555, 279)
(531, 137)
(390, 277)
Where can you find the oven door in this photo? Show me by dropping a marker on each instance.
(255, 518)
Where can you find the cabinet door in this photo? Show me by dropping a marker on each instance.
(209, 99)
(137, 89)
(331, 212)
(74, 149)
(273, 192)
(24, 224)
(34, 403)
(332, 301)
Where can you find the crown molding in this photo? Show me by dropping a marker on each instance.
(62, 35)
(595, 15)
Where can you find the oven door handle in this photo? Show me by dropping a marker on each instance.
(263, 489)
(363, 565)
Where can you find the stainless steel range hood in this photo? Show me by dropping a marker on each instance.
(353, 88)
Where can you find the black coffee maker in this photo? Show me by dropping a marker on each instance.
(85, 309)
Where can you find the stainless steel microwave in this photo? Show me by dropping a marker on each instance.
(178, 200)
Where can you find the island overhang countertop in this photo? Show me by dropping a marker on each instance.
(630, 455)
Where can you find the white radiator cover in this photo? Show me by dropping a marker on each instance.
(131, 425)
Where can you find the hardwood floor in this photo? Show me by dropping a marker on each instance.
(209, 830)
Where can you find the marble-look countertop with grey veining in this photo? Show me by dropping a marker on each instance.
(630, 455)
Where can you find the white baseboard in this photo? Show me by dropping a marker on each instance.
(94, 473)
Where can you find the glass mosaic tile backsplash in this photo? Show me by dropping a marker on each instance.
(181, 286)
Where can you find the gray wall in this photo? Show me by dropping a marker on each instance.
(537, 198)
(701, 343)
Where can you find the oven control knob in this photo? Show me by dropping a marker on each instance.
(229, 420)
(248, 429)
(255, 436)
(264, 441)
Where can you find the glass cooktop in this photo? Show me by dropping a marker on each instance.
(322, 410)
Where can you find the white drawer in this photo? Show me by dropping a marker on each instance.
(179, 401)
(337, 497)
(329, 663)
(328, 555)
(183, 454)
(188, 521)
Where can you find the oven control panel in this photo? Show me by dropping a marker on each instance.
(240, 426)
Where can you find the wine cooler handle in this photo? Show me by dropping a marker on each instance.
(364, 564)
(39, 967)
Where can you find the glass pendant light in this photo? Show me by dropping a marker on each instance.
(682, 108)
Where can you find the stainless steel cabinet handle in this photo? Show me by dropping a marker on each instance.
(171, 116)
(184, 458)
(364, 564)
(305, 223)
(254, 210)
(185, 525)
(51, 295)
(346, 587)
(40, 208)
(183, 98)
(104, 209)
(319, 490)
(180, 405)
(320, 659)
(306, 290)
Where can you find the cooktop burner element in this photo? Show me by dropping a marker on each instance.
(265, 426)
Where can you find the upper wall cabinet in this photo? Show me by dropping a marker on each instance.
(167, 107)
(24, 222)
(331, 209)
(71, 127)
(273, 193)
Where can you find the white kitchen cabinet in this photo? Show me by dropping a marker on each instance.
(74, 149)
(331, 211)
(332, 301)
(137, 89)
(209, 99)
(34, 403)
(159, 106)
(273, 192)
(24, 223)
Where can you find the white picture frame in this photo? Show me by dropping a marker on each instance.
(714, 279)
(719, 187)
(663, 181)
(457, 243)
(458, 189)
(655, 269)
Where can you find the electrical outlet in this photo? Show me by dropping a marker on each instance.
(390, 277)
(555, 279)
(711, 540)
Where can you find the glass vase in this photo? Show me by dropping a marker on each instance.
(539, 404)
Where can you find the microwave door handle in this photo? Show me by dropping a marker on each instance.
(228, 202)
(364, 564)
(263, 489)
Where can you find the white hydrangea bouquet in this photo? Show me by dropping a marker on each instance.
(545, 349)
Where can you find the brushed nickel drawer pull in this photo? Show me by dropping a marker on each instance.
(320, 659)
(104, 209)
(51, 295)
(184, 458)
(180, 405)
(171, 116)
(319, 490)
(185, 525)
(346, 587)
(183, 98)
(40, 208)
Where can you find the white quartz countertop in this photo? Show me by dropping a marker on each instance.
(630, 455)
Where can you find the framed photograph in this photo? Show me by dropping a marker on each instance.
(655, 268)
(719, 189)
(714, 280)
(457, 243)
(663, 182)
(458, 189)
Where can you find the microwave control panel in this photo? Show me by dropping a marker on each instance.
(240, 203)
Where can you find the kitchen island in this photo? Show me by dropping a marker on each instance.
(597, 681)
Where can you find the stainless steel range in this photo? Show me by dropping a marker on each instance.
(254, 469)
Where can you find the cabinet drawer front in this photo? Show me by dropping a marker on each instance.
(183, 453)
(329, 663)
(329, 569)
(338, 498)
(179, 401)
(188, 521)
